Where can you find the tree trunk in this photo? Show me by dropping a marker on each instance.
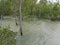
(15, 14)
(20, 3)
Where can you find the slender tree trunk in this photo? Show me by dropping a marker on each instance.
(20, 3)
(15, 14)
(32, 7)
(1, 17)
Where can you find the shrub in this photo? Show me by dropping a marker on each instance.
(7, 37)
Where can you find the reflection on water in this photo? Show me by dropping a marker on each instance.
(36, 32)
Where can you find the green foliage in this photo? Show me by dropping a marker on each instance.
(49, 11)
(30, 9)
(6, 7)
(7, 37)
(27, 8)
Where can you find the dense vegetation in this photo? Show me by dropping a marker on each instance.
(7, 37)
(44, 9)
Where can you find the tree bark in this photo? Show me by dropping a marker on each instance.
(20, 4)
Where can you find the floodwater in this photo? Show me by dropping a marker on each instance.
(42, 32)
